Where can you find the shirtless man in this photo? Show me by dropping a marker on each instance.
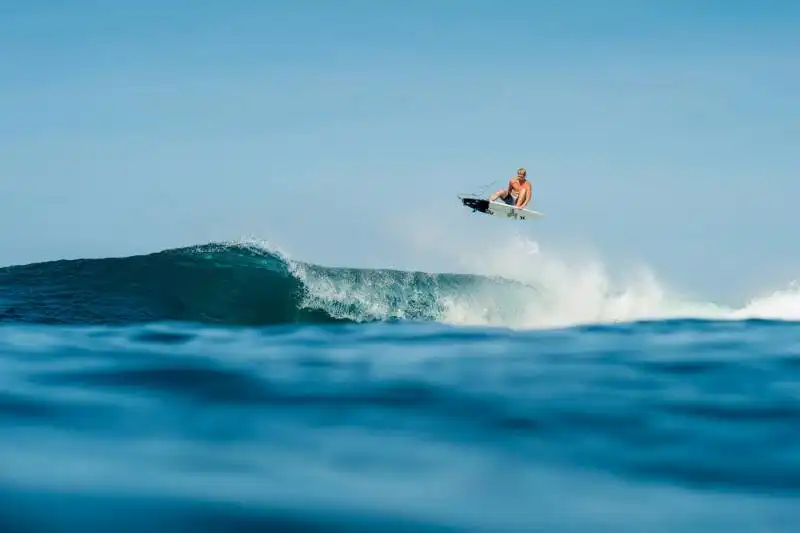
(518, 193)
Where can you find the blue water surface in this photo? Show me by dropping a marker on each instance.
(664, 426)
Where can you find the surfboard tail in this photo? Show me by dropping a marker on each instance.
(478, 204)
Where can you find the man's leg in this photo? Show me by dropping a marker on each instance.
(501, 193)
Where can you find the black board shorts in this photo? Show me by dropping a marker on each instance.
(509, 199)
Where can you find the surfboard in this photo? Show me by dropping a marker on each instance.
(498, 209)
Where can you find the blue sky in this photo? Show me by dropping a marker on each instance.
(663, 132)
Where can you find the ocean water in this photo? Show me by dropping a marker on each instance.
(229, 388)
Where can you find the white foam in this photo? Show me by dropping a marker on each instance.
(576, 288)
(572, 292)
(779, 305)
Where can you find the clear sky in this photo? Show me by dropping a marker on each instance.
(666, 132)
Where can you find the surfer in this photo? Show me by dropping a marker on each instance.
(518, 193)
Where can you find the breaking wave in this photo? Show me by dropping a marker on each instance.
(247, 284)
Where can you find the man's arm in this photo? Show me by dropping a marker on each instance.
(525, 197)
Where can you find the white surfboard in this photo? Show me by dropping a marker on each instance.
(498, 209)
